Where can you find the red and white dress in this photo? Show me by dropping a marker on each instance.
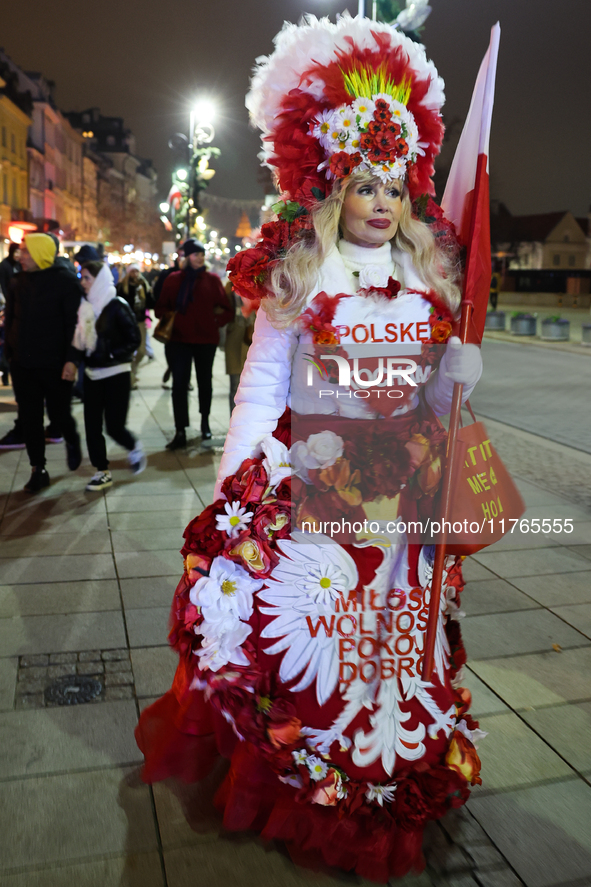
(300, 617)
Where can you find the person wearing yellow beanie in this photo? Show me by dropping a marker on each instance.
(42, 249)
(41, 316)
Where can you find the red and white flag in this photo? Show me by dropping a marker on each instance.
(466, 198)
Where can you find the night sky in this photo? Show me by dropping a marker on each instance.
(145, 60)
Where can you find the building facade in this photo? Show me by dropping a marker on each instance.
(15, 120)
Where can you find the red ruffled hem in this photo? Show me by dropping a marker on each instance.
(252, 798)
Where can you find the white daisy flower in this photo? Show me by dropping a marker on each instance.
(317, 768)
(227, 590)
(323, 124)
(323, 582)
(363, 108)
(300, 756)
(341, 788)
(234, 520)
(380, 793)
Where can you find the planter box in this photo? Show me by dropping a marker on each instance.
(586, 334)
(524, 326)
(495, 320)
(555, 330)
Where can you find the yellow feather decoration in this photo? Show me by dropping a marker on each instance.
(364, 83)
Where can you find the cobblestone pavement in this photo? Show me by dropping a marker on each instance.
(86, 583)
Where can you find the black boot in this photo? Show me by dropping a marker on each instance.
(178, 442)
(38, 481)
(205, 430)
(73, 454)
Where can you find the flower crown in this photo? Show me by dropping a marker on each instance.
(336, 98)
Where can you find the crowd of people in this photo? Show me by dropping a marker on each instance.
(82, 328)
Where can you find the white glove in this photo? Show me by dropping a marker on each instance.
(461, 363)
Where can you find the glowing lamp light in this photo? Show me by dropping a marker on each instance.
(214, 234)
(204, 112)
(224, 241)
(164, 207)
(181, 174)
(15, 234)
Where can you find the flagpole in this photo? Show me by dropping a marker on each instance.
(446, 497)
(447, 485)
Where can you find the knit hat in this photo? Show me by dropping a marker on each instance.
(192, 246)
(42, 249)
(86, 253)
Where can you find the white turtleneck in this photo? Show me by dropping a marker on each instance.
(363, 258)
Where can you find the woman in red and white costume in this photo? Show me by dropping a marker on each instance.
(300, 618)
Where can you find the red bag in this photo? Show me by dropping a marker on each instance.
(483, 493)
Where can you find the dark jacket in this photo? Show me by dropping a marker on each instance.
(117, 335)
(201, 322)
(159, 283)
(136, 295)
(8, 269)
(41, 315)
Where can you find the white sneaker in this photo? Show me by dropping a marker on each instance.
(137, 459)
(102, 480)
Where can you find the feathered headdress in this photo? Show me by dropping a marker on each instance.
(355, 95)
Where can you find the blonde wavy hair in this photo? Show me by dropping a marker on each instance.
(293, 279)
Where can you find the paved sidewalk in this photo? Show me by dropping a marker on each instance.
(86, 584)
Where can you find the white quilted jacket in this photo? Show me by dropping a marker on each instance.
(265, 383)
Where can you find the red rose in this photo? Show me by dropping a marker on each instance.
(272, 522)
(248, 484)
(411, 806)
(275, 236)
(202, 535)
(283, 491)
(248, 271)
(343, 164)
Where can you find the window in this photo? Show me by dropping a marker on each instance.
(572, 261)
(4, 188)
(556, 259)
(14, 195)
(12, 143)
(4, 139)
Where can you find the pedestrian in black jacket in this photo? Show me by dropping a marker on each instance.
(41, 313)
(106, 336)
(134, 289)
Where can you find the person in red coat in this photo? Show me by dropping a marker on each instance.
(202, 308)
